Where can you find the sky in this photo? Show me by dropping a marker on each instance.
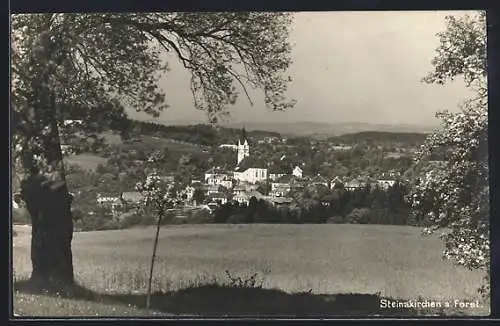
(347, 67)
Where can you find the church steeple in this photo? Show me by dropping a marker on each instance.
(243, 147)
(243, 136)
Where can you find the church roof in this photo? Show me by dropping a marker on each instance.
(251, 162)
(280, 169)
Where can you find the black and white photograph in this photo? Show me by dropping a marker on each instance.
(250, 164)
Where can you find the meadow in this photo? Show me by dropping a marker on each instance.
(390, 261)
(86, 161)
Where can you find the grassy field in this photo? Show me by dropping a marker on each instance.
(320, 260)
(90, 161)
(86, 161)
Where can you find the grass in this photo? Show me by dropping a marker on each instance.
(90, 161)
(300, 266)
(28, 304)
(86, 161)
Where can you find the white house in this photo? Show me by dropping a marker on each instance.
(131, 197)
(297, 172)
(72, 122)
(341, 147)
(238, 190)
(211, 189)
(114, 202)
(230, 146)
(279, 189)
(219, 179)
(242, 198)
(251, 175)
(353, 185)
(108, 199)
(218, 197)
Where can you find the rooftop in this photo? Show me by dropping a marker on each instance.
(251, 162)
(132, 196)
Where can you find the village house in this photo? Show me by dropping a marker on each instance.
(230, 146)
(131, 198)
(297, 172)
(108, 198)
(244, 197)
(218, 198)
(111, 201)
(239, 189)
(211, 189)
(275, 176)
(196, 183)
(341, 147)
(280, 189)
(241, 197)
(219, 179)
(353, 185)
(335, 182)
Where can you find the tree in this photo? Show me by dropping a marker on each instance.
(92, 65)
(158, 196)
(454, 194)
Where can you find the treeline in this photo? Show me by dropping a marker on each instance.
(202, 134)
(375, 137)
(362, 206)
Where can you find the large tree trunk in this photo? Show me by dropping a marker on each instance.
(44, 190)
(49, 203)
(52, 230)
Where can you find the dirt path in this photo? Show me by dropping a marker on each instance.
(23, 237)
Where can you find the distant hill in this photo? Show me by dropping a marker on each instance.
(323, 129)
(202, 134)
(407, 138)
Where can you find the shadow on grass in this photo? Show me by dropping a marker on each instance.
(217, 300)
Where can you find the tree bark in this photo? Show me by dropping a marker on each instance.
(44, 190)
(49, 204)
(153, 256)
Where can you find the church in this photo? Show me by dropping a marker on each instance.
(248, 169)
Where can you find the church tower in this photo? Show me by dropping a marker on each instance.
(243, 147)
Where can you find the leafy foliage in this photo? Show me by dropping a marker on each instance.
(91, 66)
(454, 193)
(104, 61)
(160, 195)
